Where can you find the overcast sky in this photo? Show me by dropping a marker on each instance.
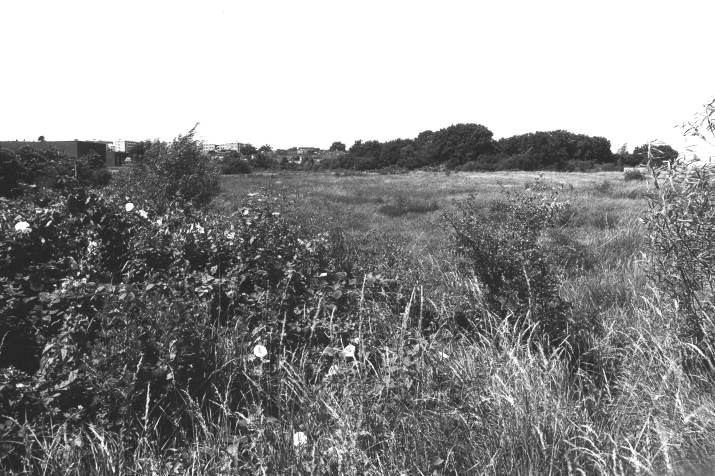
(308, 73)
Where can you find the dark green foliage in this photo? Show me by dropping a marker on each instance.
(633, 175)
(501, 245)
(470, 147)
(337, 146)
(48, 169)
(459, 144)
(235, 165)
(553, 150)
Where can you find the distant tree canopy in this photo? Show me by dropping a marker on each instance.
(337, 146)
(554, 149)
(248, 149)
(660, 154)
(472, 147)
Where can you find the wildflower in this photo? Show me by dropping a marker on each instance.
(129, 206)
(200, 228)
(333, 370)
(22, 227)
(143, 214)
(252, 194)
(230, 235)
(442, 355)
(299, 439)
(349, 351)
(245, 212)
(355, 340)
(260, 351)
(275, 214)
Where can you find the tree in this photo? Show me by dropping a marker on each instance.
(248, 149)
(660, 154)
(337, 146)
(265, 148)
(41, 139)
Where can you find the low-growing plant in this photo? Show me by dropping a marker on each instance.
(235, 165)
(633, 175)
(402, 205)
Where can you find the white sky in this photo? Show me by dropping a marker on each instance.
(306, 73)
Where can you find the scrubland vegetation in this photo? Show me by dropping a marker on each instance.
(300, 323)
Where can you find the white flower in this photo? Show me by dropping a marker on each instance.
(245, 212)
(260, 351)
(299, 439)
(22, 227)
(143, 214)
(200, 228)
(442, 355)
(252, 194)
(333, 370)
(355, 340)
(129, 206)
(230, 235)
(275, 214)
(159, 222)
(91, 245)
(349, 351)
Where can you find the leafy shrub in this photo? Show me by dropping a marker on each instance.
(631, 175)
(235, 165)
(504, 254)
(171, 173)
(681, 226)
(122, 314)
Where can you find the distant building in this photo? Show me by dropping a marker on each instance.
(236, 146)
(72, 148)
(121, 145)
(206, 148)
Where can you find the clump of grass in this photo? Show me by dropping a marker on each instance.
(402, 205)
(605, 187)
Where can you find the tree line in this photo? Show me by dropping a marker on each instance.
(473, 147)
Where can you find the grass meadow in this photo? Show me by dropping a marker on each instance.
(449, 401)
